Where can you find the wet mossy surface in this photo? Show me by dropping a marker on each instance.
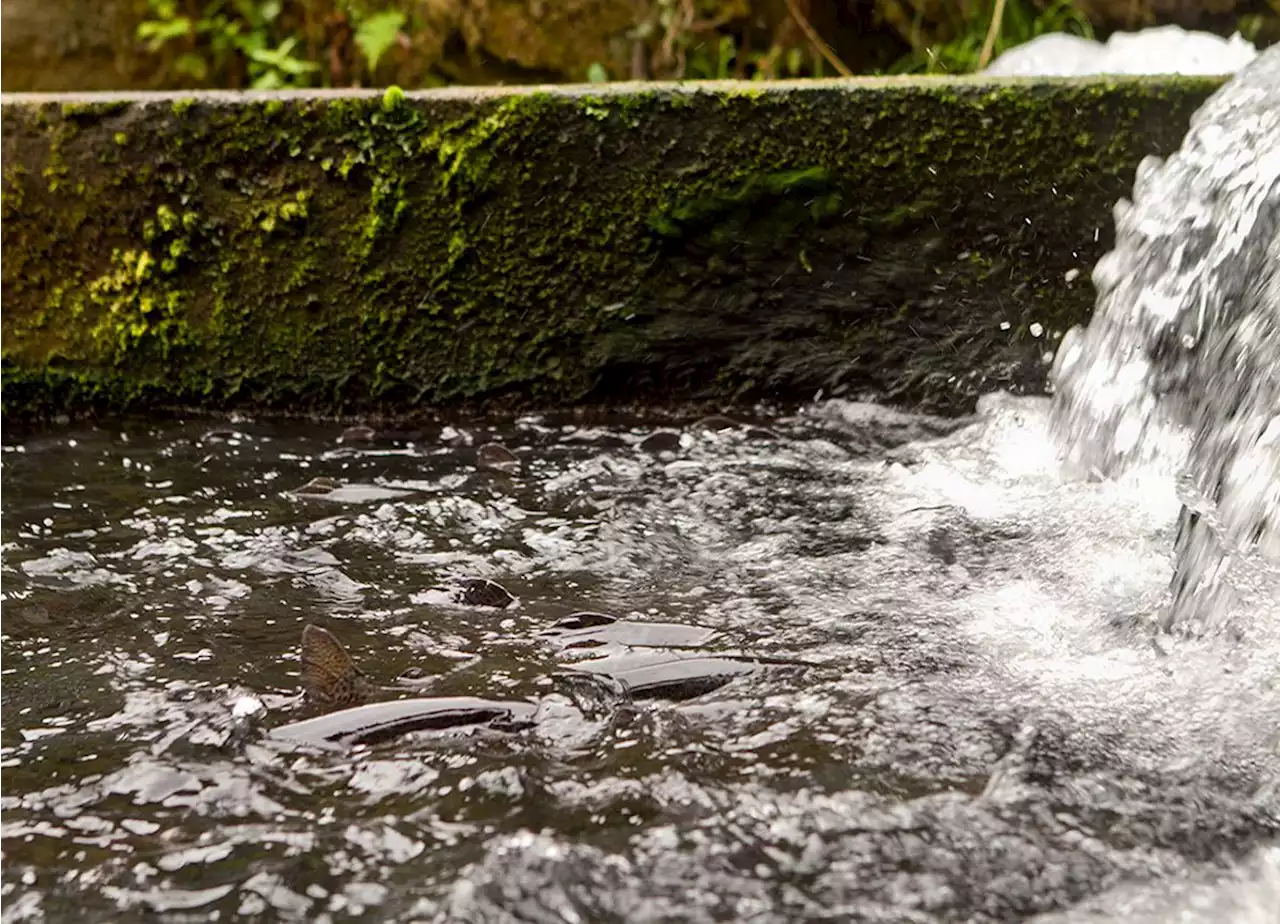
(392, 252)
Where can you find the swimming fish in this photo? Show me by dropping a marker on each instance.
(377, 722)
(331, 678)
(637, 660)
(480, 592)
(592, 630)
(497, 458)
(329, 675)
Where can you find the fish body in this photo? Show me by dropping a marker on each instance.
(663, 674)
(376, 722)
(587, 630)
(637, 660)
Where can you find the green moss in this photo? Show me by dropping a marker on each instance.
(382, 252)
(139, 311)
(90, 112)
(14, 191)
(271, 215)
(392, 97)
(55, 170)
(806, 192)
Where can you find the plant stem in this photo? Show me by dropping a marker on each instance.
(993, 30)
(816, 41)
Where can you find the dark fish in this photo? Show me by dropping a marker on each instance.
(586, 630)
(378, 722)
(332, 679)
(649, 660)
(360, 433)
(661, 441)
(575, 622)
(329, 675)
(497, 458)
(715, 422)
(222, 435)
(58, 608)
(318, 487)
(719, 422)
(670, 675)
(478, 592)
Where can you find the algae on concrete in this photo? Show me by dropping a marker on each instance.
(394, 251)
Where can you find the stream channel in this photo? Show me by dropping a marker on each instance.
(982, 727)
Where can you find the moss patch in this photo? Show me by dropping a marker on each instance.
(391, 251)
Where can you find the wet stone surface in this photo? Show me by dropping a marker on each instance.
(844, 665)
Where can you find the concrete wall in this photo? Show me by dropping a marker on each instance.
(922, 240)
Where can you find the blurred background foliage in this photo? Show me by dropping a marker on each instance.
(270, 44)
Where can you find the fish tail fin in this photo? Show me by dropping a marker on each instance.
(329, 675)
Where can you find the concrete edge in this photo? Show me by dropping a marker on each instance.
(917, 239)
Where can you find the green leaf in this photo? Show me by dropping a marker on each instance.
(728, 50)
(156, 31)
(269, 80)
(378, 33)
(192, 65)
(257, 14)
(282, 60)
(249, 44)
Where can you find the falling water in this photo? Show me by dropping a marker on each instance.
(1181, 361)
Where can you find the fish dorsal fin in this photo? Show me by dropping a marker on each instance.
(329, 675)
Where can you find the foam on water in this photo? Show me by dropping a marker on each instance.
(1184, 346)
(1158, 50)
(988, 732)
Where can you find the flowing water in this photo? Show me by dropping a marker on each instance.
(985, 732)
(957, 709)
(1185, 343)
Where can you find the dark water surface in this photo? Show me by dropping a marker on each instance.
(985, 730)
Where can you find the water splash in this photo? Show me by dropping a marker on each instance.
(1181, 361)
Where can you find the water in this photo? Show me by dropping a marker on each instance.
(1183, 352)
(959, 710)
(987, 731)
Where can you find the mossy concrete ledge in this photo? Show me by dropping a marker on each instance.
(919, 240)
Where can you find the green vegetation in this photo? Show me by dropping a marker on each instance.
(260, 43)
(306, 43)
(391, 251)
(973, 29)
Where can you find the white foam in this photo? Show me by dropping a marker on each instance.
(1158, 50)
